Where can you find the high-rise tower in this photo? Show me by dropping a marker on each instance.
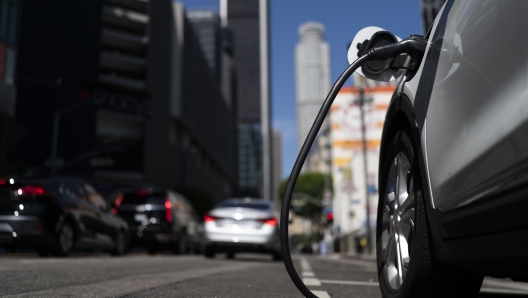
(312, 73)
(248, 20)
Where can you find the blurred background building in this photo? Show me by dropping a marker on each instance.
(429, 9)
(145, 104)
(9, 23)
(347, 152)
(312, 74)
(248, 20)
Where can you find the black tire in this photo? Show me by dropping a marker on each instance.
(120, 244)
(181, 246)
(43, 251)
(65, 240)
(209, 252)
(152, 250)
(230, 255)
(277, 256)
(424, 276)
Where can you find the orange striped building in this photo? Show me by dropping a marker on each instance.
(349, 202)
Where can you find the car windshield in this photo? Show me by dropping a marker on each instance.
(252, 205)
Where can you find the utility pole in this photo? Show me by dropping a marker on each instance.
(364, 137)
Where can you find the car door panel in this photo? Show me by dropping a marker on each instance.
(477, 112)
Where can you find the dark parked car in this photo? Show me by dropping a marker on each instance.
(160, 219)
(56, 215)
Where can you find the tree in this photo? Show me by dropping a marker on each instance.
(311, 184)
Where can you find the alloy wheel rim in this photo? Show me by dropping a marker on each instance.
(398, 221)
(66, 238)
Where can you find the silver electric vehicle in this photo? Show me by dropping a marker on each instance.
(454, 157)
(242, 225)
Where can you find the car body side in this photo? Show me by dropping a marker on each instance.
(467, 110)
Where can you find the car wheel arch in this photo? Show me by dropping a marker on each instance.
(401, 116)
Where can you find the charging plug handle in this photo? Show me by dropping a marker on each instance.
(413, 46)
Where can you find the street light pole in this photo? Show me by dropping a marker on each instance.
(364, 137)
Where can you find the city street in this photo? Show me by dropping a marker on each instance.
(141, 275)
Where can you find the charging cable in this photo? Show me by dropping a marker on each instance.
(413, 47)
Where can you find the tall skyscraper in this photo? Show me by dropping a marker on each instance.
(312, 73)
(248, 19)
(429, 10)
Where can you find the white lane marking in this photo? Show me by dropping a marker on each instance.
(311, 282)
(501, 283)
(350, 282)
(305, 266)
(502, 291)
(321, 294)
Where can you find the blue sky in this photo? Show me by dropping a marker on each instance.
(342, 20)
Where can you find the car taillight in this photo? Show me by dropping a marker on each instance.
(271, 221)
(208, 218)
(32, 190)
(168, 211)
(117, 203)
(143, 192)
(3, 182)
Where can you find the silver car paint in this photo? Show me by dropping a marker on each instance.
(477, 113)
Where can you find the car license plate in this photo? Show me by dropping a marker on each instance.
(140, 217)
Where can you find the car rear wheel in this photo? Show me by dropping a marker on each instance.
(43, 252)
(209, 252)
(65, 240)
(405, 256)
(277, 256)
(182, 245)
(152, 250)
(120, 244)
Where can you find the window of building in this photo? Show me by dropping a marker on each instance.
(12, 25)
(10, 66)
(4, 18)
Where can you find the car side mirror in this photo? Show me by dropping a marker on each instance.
(366, 39)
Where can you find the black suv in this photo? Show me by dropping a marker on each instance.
(159, 219)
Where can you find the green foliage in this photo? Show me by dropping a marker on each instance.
(200, 199)
(311, 184)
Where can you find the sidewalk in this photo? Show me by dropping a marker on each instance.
(350, 255)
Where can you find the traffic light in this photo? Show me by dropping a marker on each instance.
(329, 217)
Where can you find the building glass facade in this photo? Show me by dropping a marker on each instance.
(9, 19)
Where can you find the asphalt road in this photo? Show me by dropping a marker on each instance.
(141, 275)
